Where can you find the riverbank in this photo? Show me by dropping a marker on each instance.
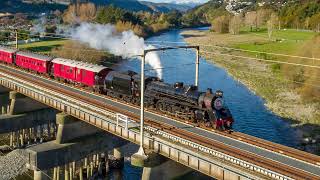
(263, 79)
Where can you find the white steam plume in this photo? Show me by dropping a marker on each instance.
(125, 44)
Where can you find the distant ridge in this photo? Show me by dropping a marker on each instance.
(167, 7)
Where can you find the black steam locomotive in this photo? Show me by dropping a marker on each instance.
(177, 100)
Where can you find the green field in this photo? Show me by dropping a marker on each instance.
(43, 46)
(282, 41)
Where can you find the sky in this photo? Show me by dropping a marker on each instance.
(180, 1)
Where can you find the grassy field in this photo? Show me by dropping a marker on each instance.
(43, 46)
(282, 41)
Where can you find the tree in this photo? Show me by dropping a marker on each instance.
(263, 15)
(315, 22)
(251, 19)
(235, 24)
(82, 12)
(221, 24)
(270, 28)
(272, 22)
(174, 18)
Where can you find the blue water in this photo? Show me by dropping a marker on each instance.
(250, 114)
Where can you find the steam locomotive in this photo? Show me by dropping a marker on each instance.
(184, 102)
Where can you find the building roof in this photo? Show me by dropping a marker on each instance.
(6, 49)
(35, 56)
(78, 64)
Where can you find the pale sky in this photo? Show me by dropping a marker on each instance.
(179, 1)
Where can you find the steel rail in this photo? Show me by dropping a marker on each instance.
(180, 132)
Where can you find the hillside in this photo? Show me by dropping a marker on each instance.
(166, 7)
(131, 5)
(18, 6)
(293, 14)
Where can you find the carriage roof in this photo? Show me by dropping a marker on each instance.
(34, 55)
(7, 49)
(79, 64)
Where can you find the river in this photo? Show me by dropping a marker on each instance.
(250, 114)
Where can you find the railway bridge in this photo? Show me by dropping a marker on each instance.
(216, 154)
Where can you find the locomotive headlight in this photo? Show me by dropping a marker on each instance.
(218, 103)
(219, 93)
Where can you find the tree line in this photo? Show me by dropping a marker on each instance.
(297, 14)
(143, 23)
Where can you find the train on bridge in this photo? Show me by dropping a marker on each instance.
(184, 102)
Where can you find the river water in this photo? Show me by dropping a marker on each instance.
(250, 114)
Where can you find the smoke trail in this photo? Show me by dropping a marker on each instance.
(39, 25)
(125, 44)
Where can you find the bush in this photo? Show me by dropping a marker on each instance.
(275, 67)
(125, 26)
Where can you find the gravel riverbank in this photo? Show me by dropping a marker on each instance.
(12, 164)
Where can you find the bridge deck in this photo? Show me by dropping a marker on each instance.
(237, 144)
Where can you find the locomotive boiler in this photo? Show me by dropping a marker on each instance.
(178, 100)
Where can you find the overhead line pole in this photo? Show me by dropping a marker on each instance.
(16, 33)
(197, 67)
(141, 152)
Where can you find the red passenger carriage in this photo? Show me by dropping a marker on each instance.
(79, 72)
(34, 62)
(7, 55)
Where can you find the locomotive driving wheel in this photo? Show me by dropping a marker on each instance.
(160, 106)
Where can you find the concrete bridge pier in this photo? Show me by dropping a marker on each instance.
(117, 161)
(4, 99)
(40, 175)
(159, 167)
(4, 102)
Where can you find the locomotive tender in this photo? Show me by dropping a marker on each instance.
(177, 100)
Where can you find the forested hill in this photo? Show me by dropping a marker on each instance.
(36, 6)
(292, 14)
(167, 7)
(18, 6)
(132, 5)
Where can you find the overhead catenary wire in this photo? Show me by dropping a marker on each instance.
(259, 59)
(259, 66)
(237, 49)
(63, 36)
(171, 42)
(266, 76)
(221, 54)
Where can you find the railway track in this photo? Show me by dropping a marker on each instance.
(246, 156)
(290, 152)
